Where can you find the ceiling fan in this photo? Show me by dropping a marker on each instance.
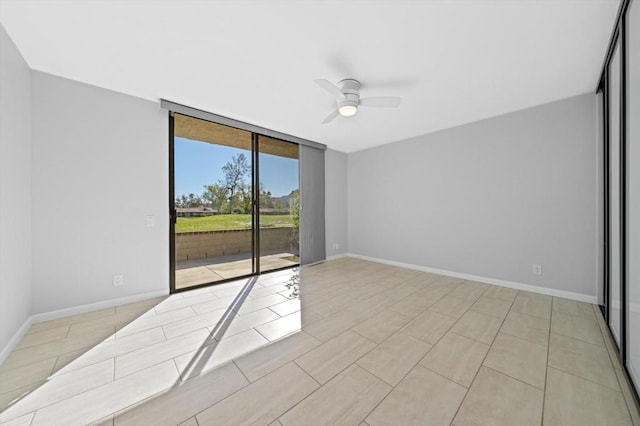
(347, 93)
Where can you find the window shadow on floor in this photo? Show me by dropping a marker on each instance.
(205, 351)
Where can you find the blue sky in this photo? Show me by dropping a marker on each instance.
(199, 163)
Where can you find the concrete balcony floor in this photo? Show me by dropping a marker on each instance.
(203, 271)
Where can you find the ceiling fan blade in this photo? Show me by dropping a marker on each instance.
(330, 87)
(330, 117)
(381, 101)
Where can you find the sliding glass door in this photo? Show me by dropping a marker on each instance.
(213, 202)
(279, 220)
(233, 196)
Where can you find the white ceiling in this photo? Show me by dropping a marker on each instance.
(453, 62)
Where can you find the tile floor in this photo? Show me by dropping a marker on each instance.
(363, 344)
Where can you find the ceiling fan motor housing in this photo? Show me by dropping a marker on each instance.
(349, 85)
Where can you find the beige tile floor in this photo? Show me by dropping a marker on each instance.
(363, 344)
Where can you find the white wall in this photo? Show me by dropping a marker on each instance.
(100, 165)
(490, 198)
(15, 190)
(336, 202)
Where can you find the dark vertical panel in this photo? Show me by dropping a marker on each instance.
(255, 207)
(312, 220)
(605, 184)
(172, 209)
(623, 190)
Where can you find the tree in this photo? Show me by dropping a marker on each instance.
(216, 196)
(193, 200)
(234, 180)
(181, 201)
(265, 197)
(244, 198)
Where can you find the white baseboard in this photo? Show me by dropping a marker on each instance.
(337, 256)
(503, 283)
(46, 316)
(15, 339)
(75, 310)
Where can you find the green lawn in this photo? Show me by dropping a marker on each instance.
(229, 221)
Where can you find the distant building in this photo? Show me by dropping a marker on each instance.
(196, 211)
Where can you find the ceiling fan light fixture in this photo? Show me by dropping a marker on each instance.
(348, 110)
(347, 96)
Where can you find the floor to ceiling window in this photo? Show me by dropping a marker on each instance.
(235, 202)
(236, 197)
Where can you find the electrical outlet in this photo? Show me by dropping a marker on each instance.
(336, 246)
(537, 269)
(118, 280)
